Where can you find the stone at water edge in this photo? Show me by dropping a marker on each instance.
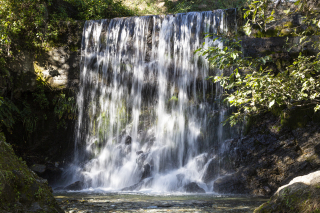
(146, 171)
(302, 194)
(139, 152)
(193, 188)
(128, 140)
(231, 183)
(38, 168)
(134, 187)
(211, 171)
(78, 185)
(21, 189)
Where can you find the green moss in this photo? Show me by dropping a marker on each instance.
(260, 209)
(18, 185)
(286, 32)
(312, 159)
(293, 199)
(296, 117)
(174, 98)
(74, 48)
(288, 24)
(268, 33)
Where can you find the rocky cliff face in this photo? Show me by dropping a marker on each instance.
(271, 155)
(58, 64)
(37, 82)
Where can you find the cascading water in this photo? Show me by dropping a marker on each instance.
(148, 118)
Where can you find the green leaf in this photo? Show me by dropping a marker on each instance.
(247, 29)
(286, 11)
(271, 103)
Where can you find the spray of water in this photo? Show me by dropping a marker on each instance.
(148, 118)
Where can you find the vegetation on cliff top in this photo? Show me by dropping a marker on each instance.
(255, 86)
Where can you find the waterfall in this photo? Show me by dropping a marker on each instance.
(148, 118)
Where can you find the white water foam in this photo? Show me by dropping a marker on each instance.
(147, 114)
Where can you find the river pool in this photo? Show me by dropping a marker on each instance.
(81, 202)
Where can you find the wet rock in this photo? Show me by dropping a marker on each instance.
(136, 186)
(141, 158)
(300, 194)
(128, 140)
(270, 156)
(139, 152)
(180, 178)
(78, 185)
(59, 188)
(52, 173)
(201, 161)
(211, 170)
(21, 190)
(119, 153)
(232, 183)
(267, 189)
(127, 149)
(146, 171)
(148, 183)
(193, 188)
(38, 168)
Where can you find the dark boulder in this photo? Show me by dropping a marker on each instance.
(59, 188)
(201, 161)
(300, 195)
(146, 171)
(211, 170)
(127, 149)
(134, 187)
(180, 178)
(193, 188)
(230, 184)
(38, 168)
(128, 140)
(21, 190)
(52, 173)
(78, 185)
(141, 158)
(148, 182)
(139, 152)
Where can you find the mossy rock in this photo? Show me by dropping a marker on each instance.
(302, 194)
(297, 117)
(21, 190)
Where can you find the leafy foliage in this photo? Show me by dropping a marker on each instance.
(202, 5)
(8, 112)
(28, 118)
(254, 87)
(99, 9)
(36, 22)
(259, 13)
(65, 108)
(34, 25)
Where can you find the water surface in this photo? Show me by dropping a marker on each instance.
(144, 202)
